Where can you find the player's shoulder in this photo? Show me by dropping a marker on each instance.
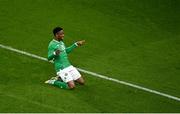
(53, 43)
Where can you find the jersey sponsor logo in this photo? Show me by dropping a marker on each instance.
(62, 47)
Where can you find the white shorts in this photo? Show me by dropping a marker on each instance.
(68, 74)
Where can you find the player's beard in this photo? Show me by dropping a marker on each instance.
(60, 39)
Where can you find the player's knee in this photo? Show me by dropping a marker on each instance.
(81, 81)
(71, 85)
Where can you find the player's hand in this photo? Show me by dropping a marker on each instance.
(80, 43)
(57, 52)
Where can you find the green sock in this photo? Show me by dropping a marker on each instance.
(61, 84)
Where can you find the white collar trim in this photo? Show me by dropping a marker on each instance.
(55, 40)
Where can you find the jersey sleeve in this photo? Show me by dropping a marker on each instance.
(70, 48)
(51, 54)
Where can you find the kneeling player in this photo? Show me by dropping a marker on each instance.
(58, 52)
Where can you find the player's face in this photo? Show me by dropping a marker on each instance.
(60, 35)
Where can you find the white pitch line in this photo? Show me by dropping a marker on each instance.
(97, 75)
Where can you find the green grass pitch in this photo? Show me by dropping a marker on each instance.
(137, 41)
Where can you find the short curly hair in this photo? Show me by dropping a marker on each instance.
(57, 29)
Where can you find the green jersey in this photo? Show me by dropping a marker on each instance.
(60, 61)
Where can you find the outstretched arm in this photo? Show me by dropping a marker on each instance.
(70, 48)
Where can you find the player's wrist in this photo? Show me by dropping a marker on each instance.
(76, 44)
(54, 53)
